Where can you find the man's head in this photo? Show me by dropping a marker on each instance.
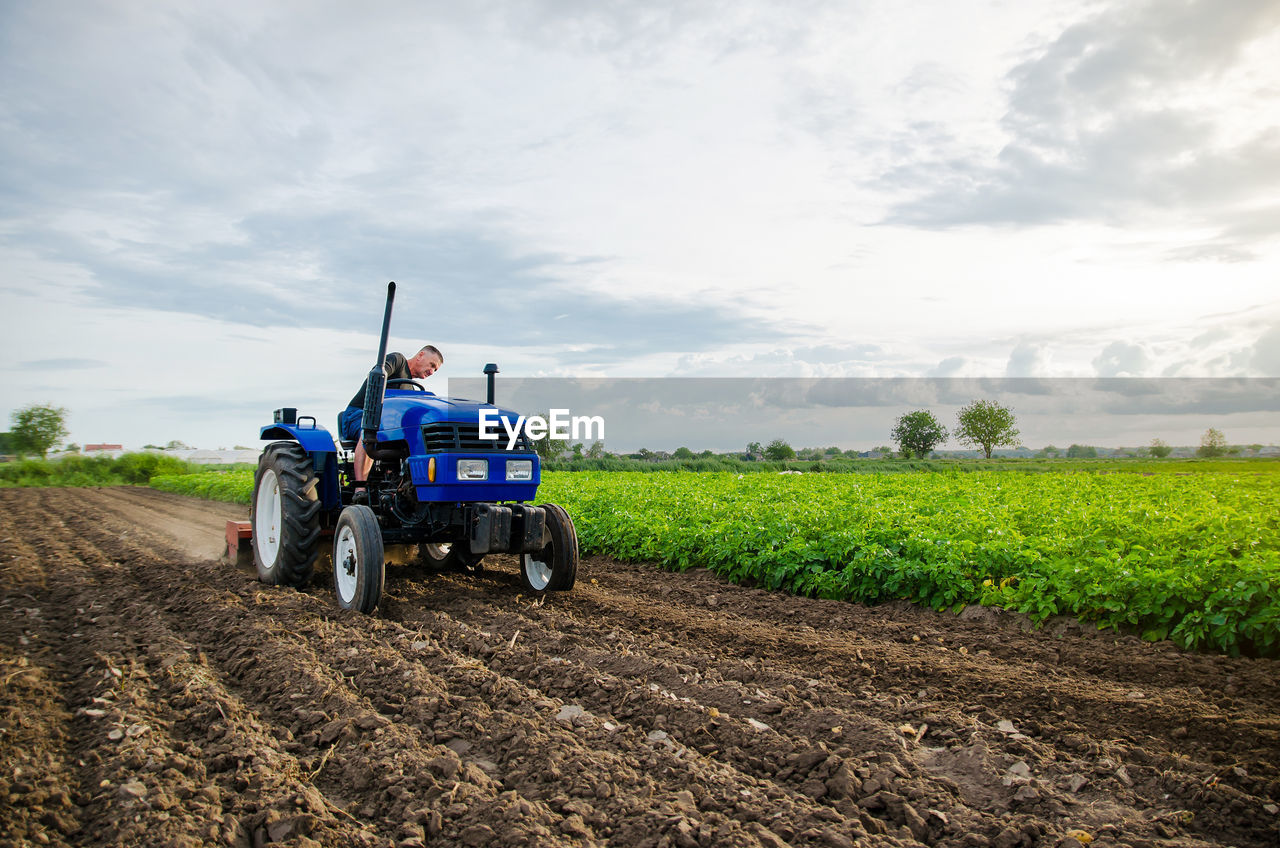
(426, 362)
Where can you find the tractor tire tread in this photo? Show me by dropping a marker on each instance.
(560, 552)
(563, 580)
(300, 526)
(371, 553)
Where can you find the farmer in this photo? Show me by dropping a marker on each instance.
(423, 364)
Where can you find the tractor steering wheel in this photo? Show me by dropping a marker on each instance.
(399, 381)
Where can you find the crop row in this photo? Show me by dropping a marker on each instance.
(231, 486)
(77, 470)
(1192, 558)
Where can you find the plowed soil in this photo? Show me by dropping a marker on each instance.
(151, 694)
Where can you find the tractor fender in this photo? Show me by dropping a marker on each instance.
(313, 439)
(320, 447)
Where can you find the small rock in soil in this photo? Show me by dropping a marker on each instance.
(569, 712)
(132, 790)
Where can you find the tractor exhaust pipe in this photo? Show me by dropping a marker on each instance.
(490, 370)
(373, 395)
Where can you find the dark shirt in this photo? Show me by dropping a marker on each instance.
(396, 367)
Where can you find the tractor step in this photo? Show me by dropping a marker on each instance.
(239, 549)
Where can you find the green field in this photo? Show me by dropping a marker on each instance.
(129, 469)
(1180, 550)
(1189, 556)
(234, 486)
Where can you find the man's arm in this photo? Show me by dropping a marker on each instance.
(394, 364)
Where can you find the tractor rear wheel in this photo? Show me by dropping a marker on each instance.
(555, 567)
(285, 514)
(359, 564)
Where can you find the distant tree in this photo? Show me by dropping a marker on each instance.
(1082, 452)
(884, 449)
(754, 450)
(1052, 451)
(37, 427)
(917, 433)
(683, 453)
(987, 424)
(577, 450)
(643, 453)
(157, 447)
(237, 447)
(177, 444)
(6, 442)
(1254, 448)
(1159, 449)
(1212, 443)
(596, 451)
(833, 451)
(778, 450)
(707, 454)
(72, 447)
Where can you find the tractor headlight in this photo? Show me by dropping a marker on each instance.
(473, 469)
(520, 469)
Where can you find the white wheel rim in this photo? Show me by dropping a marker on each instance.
(537, 571)
(344, 551)
(267, 513)
(439, 550)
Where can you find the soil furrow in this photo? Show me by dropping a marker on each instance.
(277, 652)
(158, 697)
(168, 754)
(640, 688)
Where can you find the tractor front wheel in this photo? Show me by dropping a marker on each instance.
(359, 565)
(285, 514)
(555, 567)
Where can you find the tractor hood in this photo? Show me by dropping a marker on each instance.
(406, 414)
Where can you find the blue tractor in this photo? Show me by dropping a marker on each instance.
(435, 484)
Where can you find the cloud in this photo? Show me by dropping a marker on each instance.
(1122, 359)
(949, 367)
(1210, 336)
(567, 186)
(453, 284)
(833, 353)
(60, 364)
(1137, 110)
(259, 167)
(1266, 353)
(1027, 360)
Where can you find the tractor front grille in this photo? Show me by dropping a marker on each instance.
(442, 436)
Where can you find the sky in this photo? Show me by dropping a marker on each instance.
(201, 204)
